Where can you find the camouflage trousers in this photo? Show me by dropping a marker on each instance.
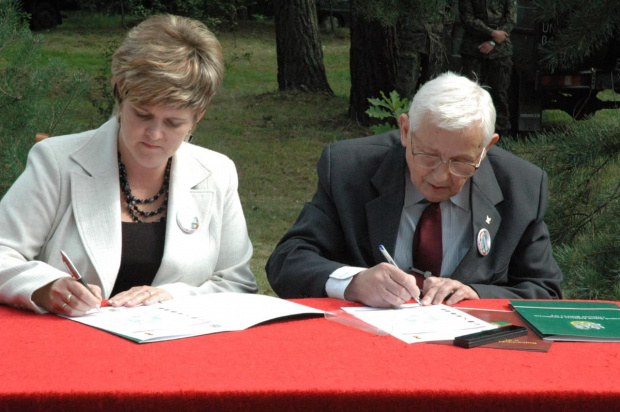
(494, 73)
(415, 69)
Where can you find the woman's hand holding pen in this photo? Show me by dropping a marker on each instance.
(381, 286)
(66, 296)
(145, 295)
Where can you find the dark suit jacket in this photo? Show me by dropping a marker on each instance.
(358, 204)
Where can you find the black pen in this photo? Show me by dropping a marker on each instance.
(75, 274)
(391, 261)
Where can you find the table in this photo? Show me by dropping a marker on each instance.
(52, 364)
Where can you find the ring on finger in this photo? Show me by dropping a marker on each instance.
(64, 305)
(150, 292)
(68, 298)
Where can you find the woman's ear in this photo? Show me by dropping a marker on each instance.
(199, 117)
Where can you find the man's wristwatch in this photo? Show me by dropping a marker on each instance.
(492, 43)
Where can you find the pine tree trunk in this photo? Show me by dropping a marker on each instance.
(298, 46)
(372, 64)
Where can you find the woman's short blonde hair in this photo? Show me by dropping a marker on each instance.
(168, 61)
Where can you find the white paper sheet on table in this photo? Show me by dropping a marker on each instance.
(413, 323)
(193, 316)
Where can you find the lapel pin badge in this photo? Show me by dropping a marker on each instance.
(484, 242)
(488, 220)
(188, 222)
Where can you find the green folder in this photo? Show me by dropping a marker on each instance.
(565, 320)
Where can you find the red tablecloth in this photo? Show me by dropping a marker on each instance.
(52, 364)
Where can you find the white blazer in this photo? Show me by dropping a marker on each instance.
(68, 198)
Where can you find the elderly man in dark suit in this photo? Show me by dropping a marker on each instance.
(439, 197)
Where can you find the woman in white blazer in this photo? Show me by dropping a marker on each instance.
(143, 215)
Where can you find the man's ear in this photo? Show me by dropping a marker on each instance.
(494, 140)
(403, 121)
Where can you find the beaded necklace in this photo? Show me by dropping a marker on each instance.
(133, 202)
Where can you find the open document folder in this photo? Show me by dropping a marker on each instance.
(193, 316)
(413, 323)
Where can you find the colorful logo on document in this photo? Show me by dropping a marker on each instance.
(586, 325)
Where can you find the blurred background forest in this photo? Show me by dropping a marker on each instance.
(273, 119)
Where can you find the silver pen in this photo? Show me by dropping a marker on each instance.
(391, 262)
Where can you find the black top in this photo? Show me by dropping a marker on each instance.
(143, 249)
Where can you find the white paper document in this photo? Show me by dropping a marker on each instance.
(413, 323)
(193, 316)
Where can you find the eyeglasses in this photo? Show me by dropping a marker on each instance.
(427, 161)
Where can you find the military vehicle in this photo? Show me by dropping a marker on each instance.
(535, 88)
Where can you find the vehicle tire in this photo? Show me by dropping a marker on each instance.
(330, 22)
(45, 16)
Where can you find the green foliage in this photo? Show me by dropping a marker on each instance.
(387, 108)
(101, 96)
(581, 29)
(384, 11)
(214, 13)
(583, 163)
(261, 18)
(34, 97)
(588, 266)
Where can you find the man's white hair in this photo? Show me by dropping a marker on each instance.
(453, 102)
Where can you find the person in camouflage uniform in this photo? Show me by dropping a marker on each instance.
(420, 54)
(486, 50)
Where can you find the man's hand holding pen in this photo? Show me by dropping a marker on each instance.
(382, 286)
(436, 289)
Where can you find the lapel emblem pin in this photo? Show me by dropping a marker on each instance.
(188, 223)
(484, 242)
(488, 220)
